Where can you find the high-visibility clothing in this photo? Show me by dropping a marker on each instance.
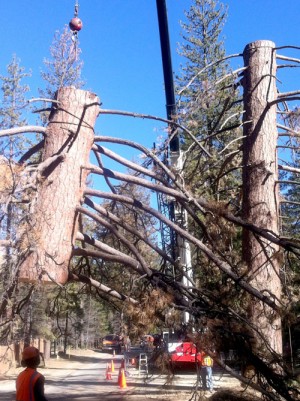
(25, 384)
(207, 361)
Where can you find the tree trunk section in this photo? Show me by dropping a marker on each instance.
(260, 192)
(51, 227)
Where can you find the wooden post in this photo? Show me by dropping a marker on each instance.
(48, 236)
(260, 192)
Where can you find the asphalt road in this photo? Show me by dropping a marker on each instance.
(83, 377)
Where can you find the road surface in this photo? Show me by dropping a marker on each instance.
(83, 377)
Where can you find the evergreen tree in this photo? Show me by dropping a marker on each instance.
(13, 101)
(64, 67)
(206, 102)
(208, 108)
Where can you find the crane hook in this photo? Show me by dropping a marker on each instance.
(75, 24)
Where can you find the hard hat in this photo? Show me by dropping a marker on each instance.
(30, 352)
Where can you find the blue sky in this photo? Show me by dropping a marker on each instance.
(121, 49)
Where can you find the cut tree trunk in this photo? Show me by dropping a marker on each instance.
(260, 192)
(48, 237)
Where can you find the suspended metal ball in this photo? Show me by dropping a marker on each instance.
(75, 24)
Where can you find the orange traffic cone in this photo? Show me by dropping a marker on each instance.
(123, 379)
(132, 361)
(108, 373)
(112, 366)
(119, 376)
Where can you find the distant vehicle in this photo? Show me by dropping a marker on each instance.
(184, 353)
(112, 342)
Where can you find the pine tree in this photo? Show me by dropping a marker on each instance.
(13, 101)
(64, 67)
(11, 115)
(13, 94)
(206, 101)
(206, 106)
(207, 94)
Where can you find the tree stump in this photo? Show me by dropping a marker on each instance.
(48, 238)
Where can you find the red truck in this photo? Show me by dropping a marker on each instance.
(183, 353)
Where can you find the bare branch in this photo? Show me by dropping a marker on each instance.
(43, 99)
(23, 130)
(288, 94)
(112, 252)
(231, 74)
(130, 229)
(288, 182)
(223, 266)
(147, 116)
(284, 127)
(94, 283)
(120, 237)
(288, 168)
(137, 167)
(280, 57)
(205, 68)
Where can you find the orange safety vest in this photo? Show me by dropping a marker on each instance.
(25, 383)
(207, 361)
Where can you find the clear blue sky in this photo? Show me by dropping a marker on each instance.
(121, 49)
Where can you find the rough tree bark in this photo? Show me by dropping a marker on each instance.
(47, 238)
(260, 193)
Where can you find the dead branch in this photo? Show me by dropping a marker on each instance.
(223, 266)
(284, 127)
(231, 74)
(100, 245)
(280, 57)
(120, 237)
(288, 168)
(103, 288)
(286, 95)
(288, 182)
(22, 130)
(205, 68)
(136, 180)
(170, 123)
(98, 208)
(125, 162)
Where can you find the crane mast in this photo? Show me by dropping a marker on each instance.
(176, 246)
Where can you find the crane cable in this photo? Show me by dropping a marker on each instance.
(75, 24)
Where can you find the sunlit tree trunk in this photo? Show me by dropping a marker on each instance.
(260, 192)
(50, 230)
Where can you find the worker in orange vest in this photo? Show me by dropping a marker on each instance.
(206, 372)
(30, 383)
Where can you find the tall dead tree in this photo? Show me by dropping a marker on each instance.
(50, 228)
(260, 192)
